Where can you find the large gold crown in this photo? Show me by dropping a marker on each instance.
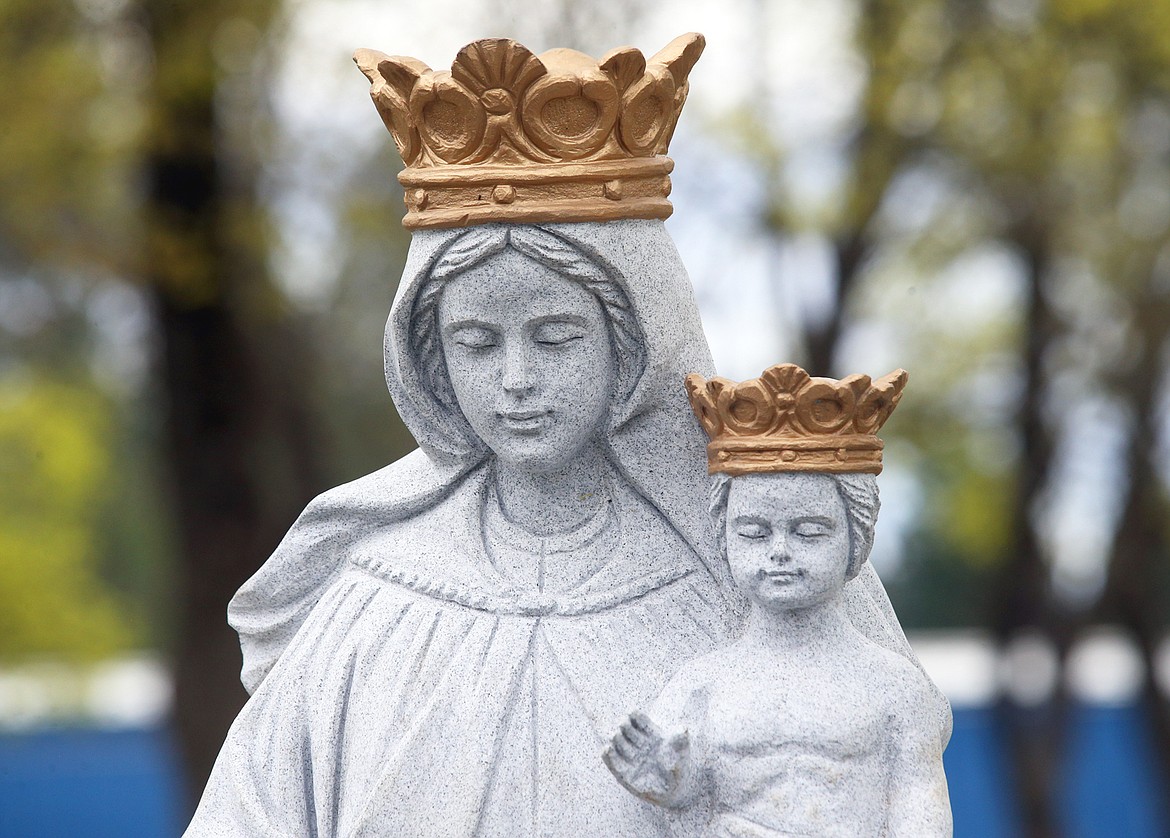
(785, 420)
(510, 136)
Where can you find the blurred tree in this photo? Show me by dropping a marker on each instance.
(1039, 132)
(235, 379)
(253, 432)
(1042, 106)
(65, 213)
(143, 169)
(63, 174)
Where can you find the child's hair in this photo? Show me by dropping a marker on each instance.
(859, 493)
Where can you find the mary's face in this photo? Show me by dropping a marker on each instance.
(787, 539)
(529, 357)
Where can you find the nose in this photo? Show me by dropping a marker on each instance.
(518, 377)
(778, 551)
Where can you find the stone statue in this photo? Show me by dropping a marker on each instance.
(802, 726)
(441, 648)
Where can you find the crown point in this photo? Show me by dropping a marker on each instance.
(367, 61)
(680, 55)
(625, 65)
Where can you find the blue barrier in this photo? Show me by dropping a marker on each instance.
(1110, 781)
(93, 783)
(978, 778)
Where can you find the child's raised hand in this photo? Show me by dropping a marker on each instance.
(645, 761)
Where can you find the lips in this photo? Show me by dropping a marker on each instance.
(781, 576)
(525, 421)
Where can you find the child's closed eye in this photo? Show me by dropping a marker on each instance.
(752, 531)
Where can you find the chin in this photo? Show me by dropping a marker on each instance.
(539, 456)
(785, 600)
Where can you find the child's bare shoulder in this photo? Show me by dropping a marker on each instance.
(899, 678)
(691, 685)
(700, 672)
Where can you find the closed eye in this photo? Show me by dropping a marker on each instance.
(752, 531)
(475, 337)
(812, 529)
(558, 341)
(557, 333)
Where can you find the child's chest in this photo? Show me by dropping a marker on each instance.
(797, 756)
(819, 715)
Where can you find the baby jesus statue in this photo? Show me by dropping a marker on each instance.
(804, 725)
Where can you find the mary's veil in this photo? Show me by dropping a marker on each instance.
(654, 441)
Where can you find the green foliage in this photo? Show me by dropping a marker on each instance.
(938, 586)
(65, 150)
(1041, 131)
(97, 98)
(55, 471)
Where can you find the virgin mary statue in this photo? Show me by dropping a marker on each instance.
(442, 648)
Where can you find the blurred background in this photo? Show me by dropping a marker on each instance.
(200, 240)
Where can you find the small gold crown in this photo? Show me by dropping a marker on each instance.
(510, 136)
(785, 420)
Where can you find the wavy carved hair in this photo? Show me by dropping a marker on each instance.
(547, 248)
(862, 502)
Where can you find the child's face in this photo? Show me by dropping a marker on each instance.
(787, 539)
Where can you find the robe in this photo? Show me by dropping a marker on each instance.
(461, 676)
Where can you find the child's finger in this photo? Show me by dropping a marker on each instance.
(615, 761)
(624, 747)
(636, 737)
(642, 723)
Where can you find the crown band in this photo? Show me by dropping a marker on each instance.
(857, 453)
(441, 197)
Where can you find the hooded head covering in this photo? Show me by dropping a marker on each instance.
(653, 438)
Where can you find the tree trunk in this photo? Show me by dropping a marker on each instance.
(1023, 600)
(240, 453)
(1139, 554)
(822, 340)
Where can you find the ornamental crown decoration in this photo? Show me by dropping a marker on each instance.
(786, 420)
(510, 136)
